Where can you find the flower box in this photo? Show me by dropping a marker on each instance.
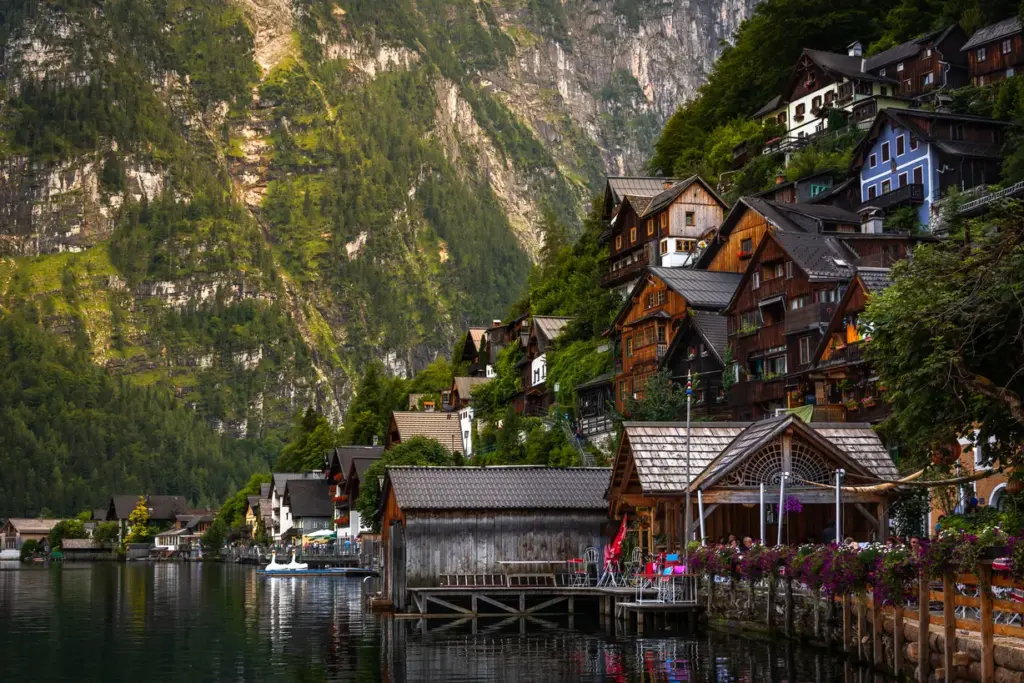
(852, 405)
(869, 402)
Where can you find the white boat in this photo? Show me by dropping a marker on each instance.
(295, 566)
(274, 566)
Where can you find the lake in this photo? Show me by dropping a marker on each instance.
(191, 622)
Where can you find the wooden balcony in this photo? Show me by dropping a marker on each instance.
(851, 353)
(829, 414)
(766, 337)
(614, 278)
(770, 288)
(757, 391)
(652, 353)
(808, 317)
(908, 195)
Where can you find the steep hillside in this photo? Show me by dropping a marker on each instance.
(243, 200)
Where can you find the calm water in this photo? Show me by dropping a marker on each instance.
(169, 623)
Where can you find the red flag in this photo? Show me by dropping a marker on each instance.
(619, 538)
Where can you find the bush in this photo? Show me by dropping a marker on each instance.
(29, 549)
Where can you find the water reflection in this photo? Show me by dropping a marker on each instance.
(171, 622)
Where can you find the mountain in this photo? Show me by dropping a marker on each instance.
(241, 201)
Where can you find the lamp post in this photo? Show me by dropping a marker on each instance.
(839, 507)
(782, 502)
(764, 531)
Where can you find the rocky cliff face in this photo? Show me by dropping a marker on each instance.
(247, 199)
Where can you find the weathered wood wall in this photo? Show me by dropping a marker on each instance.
(474, 542)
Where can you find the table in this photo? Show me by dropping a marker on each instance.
(510, 568)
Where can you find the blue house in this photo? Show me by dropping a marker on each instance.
(911, 157)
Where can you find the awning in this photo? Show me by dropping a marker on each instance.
(777, 299)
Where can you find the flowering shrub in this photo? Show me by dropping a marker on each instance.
(842, 571)
(806, 565)
(722, 562)
(895, 575)
(960, 551)
(792, 504)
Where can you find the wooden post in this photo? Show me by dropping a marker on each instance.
(750, 596)
(476, 610)
(876, 631)
(816, 605)
(847, 624)
(769, 613)
(988, 646)
(789, 606)
(897, 640)
(923, 621)
(862, 627)
(948, 625)
(711, 593)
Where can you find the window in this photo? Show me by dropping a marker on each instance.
(886, 186)
(981, 80)
(928, 53)
(817, 188)
(629, 346)
(757, 279)
(873, 160)
(885, 152)
(1010, 72)
(703, 351)
(884, 91)
(798, 302)
(679, 246)
(881, 72)
(774, 367)
(800, 109)
(872, 191)
(618, 241)
(956, 131)
(828, 97)
(661, 333)
(746, 245)
(664, 246)
(902, 178)
(632, 234)
(789, 269)
(660, 299)
(689, 245)
(780, 270)
(650, 301)
(816, 103)
(919, 175)
(981, 54)
(928, 78)
(650, 227)
(781, 118)
(700, 396)
(901, 145)
(899, 67)
(913, 143)
(749, 321)
(805, 350)
(1007, 46)
(691, 218)
(664, 220)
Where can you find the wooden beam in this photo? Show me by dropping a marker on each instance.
(708, 509)
(867, 515)
(806, 496)
(444, 603)
(546, 603)
(949, 625)
(897, 640)
(923, 619)
(490, 601)
(988, 645)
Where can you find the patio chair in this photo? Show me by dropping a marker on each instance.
(579, 575)
(591, 558)
(635, 565)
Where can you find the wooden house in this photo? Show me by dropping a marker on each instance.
(617, 188)
(995, 52)
(17, 530)
(662, 230)
(472, 346)
(281, 518)
(802, 190)
(700, 351)
(343, 491)
(535, 396)
(648, 320)
(461, 394)
(595, 401)
(926, 65)
(309, 504)
(443, 427)
(845, 389)
(729, 461)
(441, 525)
(912, 158)
(162, 509)
(499, 336)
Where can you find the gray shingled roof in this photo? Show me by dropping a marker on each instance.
(638, 202)
(770, 105)
(700, 288)
(844, 65)
(821, 258)
(160, 507)
(860, 442)
(443, 427)
(905, 50)
(265, 490)
(874, 279)
(1006, 27)
(639, 186)
(499, 488)
(659, 449)
(549, 327)
(309, 497)
(714, 327)
(280, 479)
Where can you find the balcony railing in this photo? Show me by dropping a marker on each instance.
(901, 196)
(757, 391)
(988, 198)
(851, 353)
(620, 275)
(829, 414)
(771, 287)
(807, 317)
(646, 354)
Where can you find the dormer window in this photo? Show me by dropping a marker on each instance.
(881, 72)
(899, 67)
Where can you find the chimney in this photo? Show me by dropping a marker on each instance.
(779, 179)
(855, 49)
(495, 323)
(665, 184)
(428, 406)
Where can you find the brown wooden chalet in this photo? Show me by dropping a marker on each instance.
(995, 52)
(474, 343)
(443, 427)
(535, 396)
(461, 394)
(699, 351)
(595, 401)
(647, 323)
(499, 336)
(790, 291)
(617, 188)
(341, 466)
(661, 230)
(925, 65)
(845, 388)
(729, 461)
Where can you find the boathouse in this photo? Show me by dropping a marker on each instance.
(728, 463)
(449, 525)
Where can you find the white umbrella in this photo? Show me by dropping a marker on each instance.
(323, 533)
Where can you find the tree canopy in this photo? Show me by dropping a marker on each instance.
(948, 340)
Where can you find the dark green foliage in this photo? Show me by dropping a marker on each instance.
(904, 219)
(311, 438)
(232, 512)
(68, 528)
(911, 18)
(946, 341)
(663, 401)
(418, 450)
(369, 414)
(752, 70)
(30, 548)
(214, 538)
(491, 400)
(71, 436)
(105, 532)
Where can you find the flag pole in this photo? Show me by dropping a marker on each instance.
(686, 513)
